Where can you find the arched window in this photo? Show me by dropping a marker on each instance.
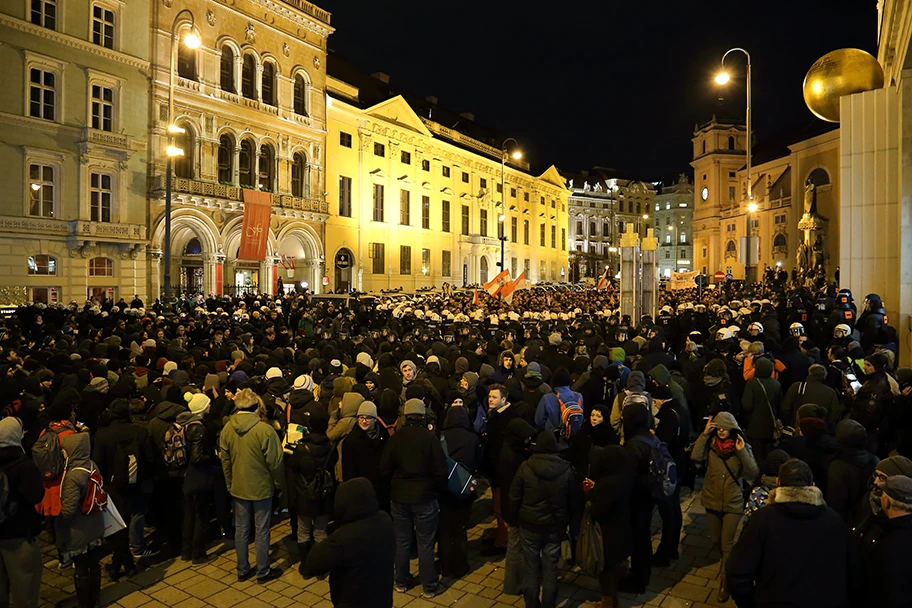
(193, 247)
(300, 95)
(300, 184)
(267, 88)
(483, 278)
(267, 168)
(45, 265)
(248, 77)
(226, 70)
(730, 247)
(731, 142)
(186, 62)
(183, 165)
(226, 159)
(820, 177)
(780, 242)
(246, 164)
(101, 267)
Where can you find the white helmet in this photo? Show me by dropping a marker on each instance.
(758, 327)
(796, 329)
(841, 331)
(735, 330)
(723, 333)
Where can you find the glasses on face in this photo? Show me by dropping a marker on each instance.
(878, 477)
(365, 418)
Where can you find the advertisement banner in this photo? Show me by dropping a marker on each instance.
(682, 280)
(255, 229)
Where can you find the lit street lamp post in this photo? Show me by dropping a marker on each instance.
(502, 216)
(192, 41)
(722, 78)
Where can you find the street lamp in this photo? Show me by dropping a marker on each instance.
(722, 78)
(503, 193)
(192, 41)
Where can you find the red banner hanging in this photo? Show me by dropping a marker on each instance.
(255, 229)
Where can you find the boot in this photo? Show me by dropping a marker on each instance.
(303, 550)
(724, 595)
(85, 597)
(95, 582)
(607, 602)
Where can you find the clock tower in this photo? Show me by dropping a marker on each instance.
(718, 157)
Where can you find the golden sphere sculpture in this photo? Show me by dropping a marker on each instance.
(838, 73)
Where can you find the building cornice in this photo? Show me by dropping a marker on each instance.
(45, 126)
(73, 42)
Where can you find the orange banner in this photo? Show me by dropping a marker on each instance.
(255, 229)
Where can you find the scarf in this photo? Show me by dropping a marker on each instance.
(724, 447)
(374, 431)
(711, 380)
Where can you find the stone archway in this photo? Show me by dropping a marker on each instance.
(300, 242)
(194, 249)
(483, 270)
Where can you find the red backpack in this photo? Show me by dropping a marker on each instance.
(96, 498)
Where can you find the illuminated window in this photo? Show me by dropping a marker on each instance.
(425, 260)
(378, 202)
(345, 196)
(41, 189)
(101, 267)
(405, 208)
(101, 194)
(44, 265)
(226, 70)
(445, 216)
(183, 165)
(405, 259)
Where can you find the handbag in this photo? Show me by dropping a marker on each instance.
(745, 490)
(778, 428)
(113, 522)
(461, 483)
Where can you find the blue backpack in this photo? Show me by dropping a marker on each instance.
(571, 415)
(663, 471)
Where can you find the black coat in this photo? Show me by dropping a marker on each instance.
(311, 455)
(361, 457)
(305, 410)
(462, 442)
(116, 438)
(415, 461)
(884, 553)
(26, 490)
(494, 440)
(359, 554)
(795, 551)
(545, 494)
(796, 368)
(847, 481)
(613, 474)
(590, 437)
(517, 437)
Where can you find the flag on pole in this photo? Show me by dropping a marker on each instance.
(496, 284)
(508, 289)
(475, 301)
(603, 282)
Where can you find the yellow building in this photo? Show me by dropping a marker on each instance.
(415, 198)
(780, 171)
(74, 114)
(251, 103)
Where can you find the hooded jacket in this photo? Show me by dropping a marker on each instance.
(761, 400)
(24, 480)
(122, 437)
(359, 554)
(636, 383)
(160, 418)
(721, 492)
(415, 462)
(544, 494)
(887, 572)
(813, 390)
(848, 474)
(342, 420)
(77, 532)
(311, 455)
(251, 457)
(662, 376)
(612, 471)
(463, 444)
(517, 436)
(548, 412)
(361, 457)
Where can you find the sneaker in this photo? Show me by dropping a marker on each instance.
(146, 553)
(245, 577)
(431, 592)
(273, 574)
(205, 559)
(401, 588)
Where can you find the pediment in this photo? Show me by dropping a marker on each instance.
(552, 176)
(396, 110)
(378, 174)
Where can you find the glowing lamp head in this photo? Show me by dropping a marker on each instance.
(670, 228)
(36, 187)
(645, 216)
(175, 151)
(192, 41)
(752, 207)
(722, 78)
(175, 130)
(501, 217)
(517, 155)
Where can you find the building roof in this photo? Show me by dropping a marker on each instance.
(776, 145)
(600, 175)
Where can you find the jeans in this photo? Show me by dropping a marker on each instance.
(422, 519)
(513, 563)
(196, 526)
(452, 539)
(260, 511)
(641, 527)
(500, 540)
(540, 554)
(722, 528)
(20, 561)
(312, 529)
(137, 523)
(672, 521)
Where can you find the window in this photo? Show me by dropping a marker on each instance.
(248, 76)
(379, 149)
(102, 108)
(465, 177)
(405, 208)
(246, 160)
(100, 199)
(267, 168)
(526, 196)
(514, 229)
(426, 212)
(446, 261)
(42, 93)
(779, 219)
(731, 142)
(553, 204)
(553, 237)
(483, 222)
(226, 70)
(300, 98)
(405, 259)
(682, 253)
(730, 248)
(500, 229)
(345, 196)
(101, 267)
(526, 266)
(44, 13)
(514, 267)
(345, 139)
(593, 231)
(226, 159)
(41, 190)
(186, 62)
(483, 183)
(620, 227)
(499, 188)
(425, 261)
(405, 157)
(541, 235)
(579, 229)
(300, 184)
(525, 232)
(44, 265)
(780, 243)
(425, 165)
(668, 239)
(378, 202)
(267, 86)
(667, 254)
(542, 201)
(445, 216)
(731, 175)
(378, 257)
(704, 146)
(103, 26)
(606, 230)
(682, 237)
(512, 192)
(731, 193)
(445, 171)
(563, 239)
(820, 177)
(465, 219)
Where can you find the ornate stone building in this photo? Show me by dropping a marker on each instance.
(250, 101)
(674, 226)
(74, 114)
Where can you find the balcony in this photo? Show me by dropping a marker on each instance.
(477, 239)
(235, 194)
(309, 9)
(73, 228)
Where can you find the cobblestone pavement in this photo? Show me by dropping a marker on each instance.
(691, 582)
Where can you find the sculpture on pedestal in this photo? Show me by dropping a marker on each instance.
(811, 258)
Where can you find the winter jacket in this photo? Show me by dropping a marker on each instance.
(793, 552)
(359, 554)
(762, 396)
(638, 421)
(463, 444)
(870, 404)
(341, 422)
(884, 554)
(75, 531)
(548, 413)
(662, 376)
(251, 457)
(544, 494)
(848, 475)
(415, 462)
(516, 440)
(202, 462)
(304, 409)
(311, 455)
(796, 367)
(160, 418)
(721, 492)
(587, 439)
(122, 437)
(494, 440)
(636, 384)
(50, 503)
(24, 480)
(613, 474)
(815, 391)
(361, 457)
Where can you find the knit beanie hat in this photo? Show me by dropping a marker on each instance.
(273, 372)
(414, 406)
(304, 382)
(368, 408)
(533, 370)
(211, 381)
(169, 367)
(365, 360)
(895, 465)
(98, 384)
(196, 402)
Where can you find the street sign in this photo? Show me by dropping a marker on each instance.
(728, 276)
(343, 260)
(719, 276)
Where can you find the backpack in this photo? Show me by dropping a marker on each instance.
(8, 507)
(176, 452)
(663, 471)
(96, 498)
(590, 552)
(571, 415)
(321, 486)
(126, 463)
(460, 481)
(48, 455)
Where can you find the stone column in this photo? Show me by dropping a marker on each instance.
(650, 280)
(155, 272)
(219, 273)
(630, 271)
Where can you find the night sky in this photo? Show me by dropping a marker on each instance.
(614, 83)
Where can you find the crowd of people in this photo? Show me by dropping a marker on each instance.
(376, 427)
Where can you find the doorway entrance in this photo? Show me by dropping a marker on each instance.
(484, 271)
(246, 280)
(343, 270)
